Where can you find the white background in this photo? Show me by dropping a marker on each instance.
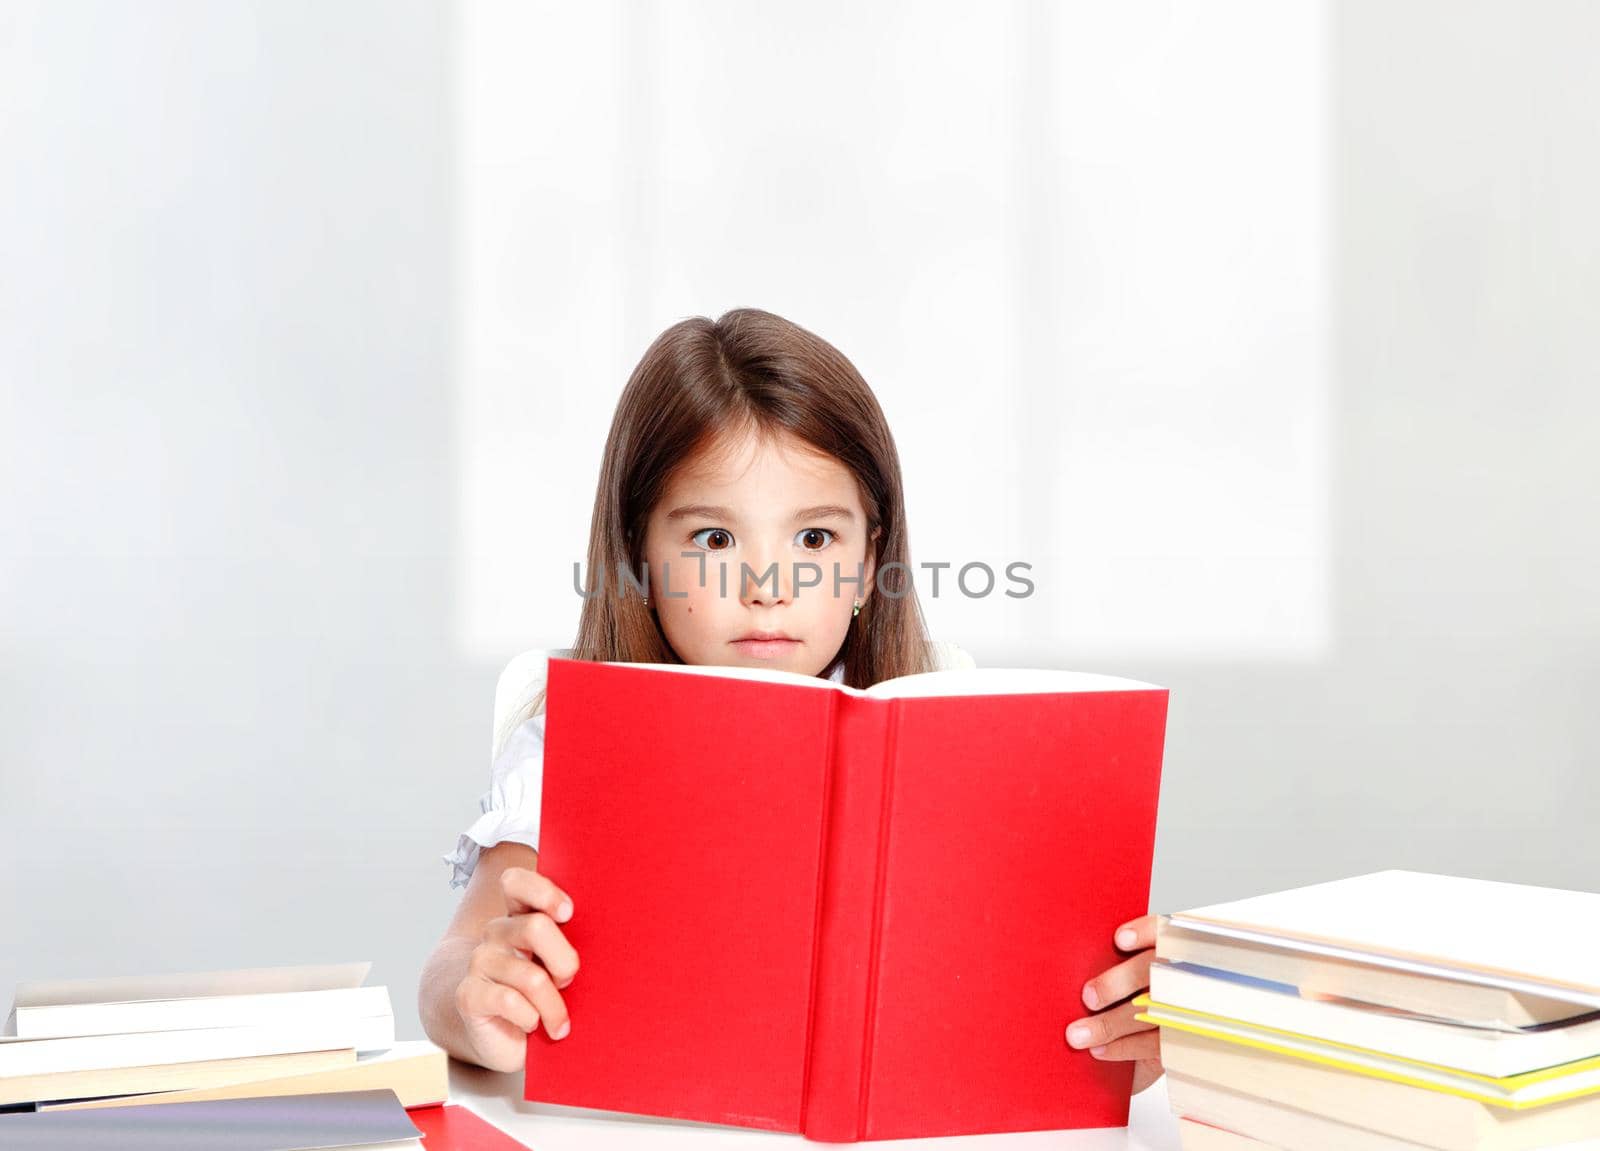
(1263, 330)
(1078, 251)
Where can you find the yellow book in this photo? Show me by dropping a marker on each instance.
(416, 1071)
(1268, 1123)
(166, 1076)
(1286, 1101)
(1516, 1092)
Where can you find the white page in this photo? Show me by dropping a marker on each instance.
(953, 682)
(63, 1020)
(244, 981)
(1002, 681)
(1508, 934)
(160, 1048)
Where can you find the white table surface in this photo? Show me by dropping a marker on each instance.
(497, 1096)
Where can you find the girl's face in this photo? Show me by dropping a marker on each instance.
(744, 545)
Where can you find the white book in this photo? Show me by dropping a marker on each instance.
(31, 1057)
(1213, 1118)
(186, 985)
(1538, 940)
(1481, 1051)
(1537, 1089)
(956, 681)
(1384, 1107)
(1261, 1123)
(1323, 976)
(60, 1021)
(1196, 1136)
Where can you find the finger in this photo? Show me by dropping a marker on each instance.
(1145, 1045)
(1127, 978)
(479, 997)
(527, 890)
(1099, 1030)
(492, 967)
(531, 983)
(1138, 934)
(538, 935)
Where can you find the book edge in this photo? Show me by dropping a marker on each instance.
(1392, 960)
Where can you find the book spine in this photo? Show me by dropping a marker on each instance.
(848, 909)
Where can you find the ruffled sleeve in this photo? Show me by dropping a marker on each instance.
(948, 656)
(511, 805)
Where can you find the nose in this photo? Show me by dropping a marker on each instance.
(767, 582)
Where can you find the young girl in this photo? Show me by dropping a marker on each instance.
(744, 455)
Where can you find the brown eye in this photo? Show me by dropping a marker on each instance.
(723, 540)
(815, 539)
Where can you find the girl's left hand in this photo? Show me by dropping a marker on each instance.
(1114, 1033)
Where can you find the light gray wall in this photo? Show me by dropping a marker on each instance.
(234, 731)
(1454, 727)
(235, 723)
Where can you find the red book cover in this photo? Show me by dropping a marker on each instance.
(454, 1128)
(849, 914)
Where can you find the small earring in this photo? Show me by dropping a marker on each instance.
(646, 601)
(856, 610)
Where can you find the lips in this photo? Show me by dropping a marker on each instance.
(765, 645)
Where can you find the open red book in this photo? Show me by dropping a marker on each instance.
(849, 914)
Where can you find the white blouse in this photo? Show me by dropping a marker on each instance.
(510, 808)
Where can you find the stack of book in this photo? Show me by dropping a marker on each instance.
(1390, 1012)
(285, 1031)
(328, 1121)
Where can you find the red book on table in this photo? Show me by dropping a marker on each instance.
(454, 1128)
(847, 914)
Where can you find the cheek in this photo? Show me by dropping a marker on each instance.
(854, 579)
(691, 595)
(674, 574)
(715, 584)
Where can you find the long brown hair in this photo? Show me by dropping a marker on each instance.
(749, 370)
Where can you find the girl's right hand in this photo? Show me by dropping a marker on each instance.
(515, 974)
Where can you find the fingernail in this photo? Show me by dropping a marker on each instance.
(1097, 1051)
(564, 912)
(562, 1034)
(1126, 938)
(1090, 997)
(1077, 1036)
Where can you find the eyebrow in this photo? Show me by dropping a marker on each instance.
(708, 511)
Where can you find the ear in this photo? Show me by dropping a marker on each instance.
(870, 570)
